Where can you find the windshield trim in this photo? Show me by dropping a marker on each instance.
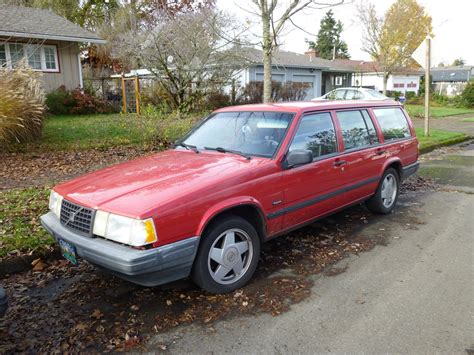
(277, 149)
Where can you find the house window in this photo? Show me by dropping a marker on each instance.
(50, 58)
(3, 55)
(16, 53)
(39, 57)
(33, 54)
(338, 81)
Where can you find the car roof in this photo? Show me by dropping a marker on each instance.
(354, 88)
(303, 106)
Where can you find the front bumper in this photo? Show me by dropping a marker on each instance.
(150, 267)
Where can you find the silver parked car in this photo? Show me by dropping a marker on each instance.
(352, 94)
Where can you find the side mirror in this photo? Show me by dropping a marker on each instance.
(297, 157)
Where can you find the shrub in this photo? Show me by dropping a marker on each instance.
(467, 96)
(289, 91)
(75, 102)
(293, 91)
(21, 104)
(159, 129)
(216, 99)
(154, 94)
(441, 99)
(57, 101)
(393, 94)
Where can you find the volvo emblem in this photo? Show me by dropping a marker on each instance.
(72, 216)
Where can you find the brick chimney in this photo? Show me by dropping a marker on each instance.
(312, 53)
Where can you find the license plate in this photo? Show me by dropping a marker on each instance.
(69, 251)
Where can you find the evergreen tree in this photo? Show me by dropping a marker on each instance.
(459, 61)
(329, 36)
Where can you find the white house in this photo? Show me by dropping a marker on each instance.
(403, 82)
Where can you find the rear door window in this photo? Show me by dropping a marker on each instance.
(339, 94)
(315, 133)
(393, 123)
(353, 95)
(357, 129)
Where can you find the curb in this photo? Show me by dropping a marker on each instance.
(445, 144)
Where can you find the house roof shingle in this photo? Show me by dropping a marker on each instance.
(286, 59)
(28, 22)
(452, 73)
(292, 59)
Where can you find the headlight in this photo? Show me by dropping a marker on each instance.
(135, 232)
(55, 202)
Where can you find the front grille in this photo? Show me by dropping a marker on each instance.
(77, 217)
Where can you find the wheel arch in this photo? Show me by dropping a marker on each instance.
(247, 208)
(396, 164)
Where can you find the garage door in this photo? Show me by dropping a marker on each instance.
(275, 77)
(307, 79)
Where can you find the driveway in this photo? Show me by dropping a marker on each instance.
(414, 295)
(451, 123)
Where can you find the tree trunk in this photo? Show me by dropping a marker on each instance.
(267, 48)
(385, 79)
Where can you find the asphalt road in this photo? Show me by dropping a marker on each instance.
(414, 295)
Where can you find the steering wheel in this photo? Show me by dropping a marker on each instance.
(272, 143)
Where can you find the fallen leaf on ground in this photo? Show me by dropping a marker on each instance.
(97, 314)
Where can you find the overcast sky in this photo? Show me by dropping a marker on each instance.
(452, 26)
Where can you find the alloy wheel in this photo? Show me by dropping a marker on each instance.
(230, 256)
(389, 190)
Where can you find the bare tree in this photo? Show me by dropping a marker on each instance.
(189, 53)
(273, 24)
(392, 39)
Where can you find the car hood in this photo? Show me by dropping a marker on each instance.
(137, 186)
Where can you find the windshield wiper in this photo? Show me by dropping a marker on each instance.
(187, 146)
(223, 150)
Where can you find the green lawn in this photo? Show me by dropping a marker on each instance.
(66, 132)
(436, 112)
(436, 138)
(100, 131)
(20, 228)
(469, 119)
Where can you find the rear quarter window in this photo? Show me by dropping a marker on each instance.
(393, 123)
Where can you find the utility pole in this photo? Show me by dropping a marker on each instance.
(427, 86)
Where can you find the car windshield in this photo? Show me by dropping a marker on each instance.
(375, 94)
(257, 133)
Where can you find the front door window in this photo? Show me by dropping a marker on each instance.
(315, 133)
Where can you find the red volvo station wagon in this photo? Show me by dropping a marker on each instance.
(242, 176)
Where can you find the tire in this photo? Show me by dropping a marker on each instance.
(217, 268)
(386, 196)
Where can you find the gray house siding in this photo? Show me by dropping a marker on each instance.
(69, 68)
(283, 74)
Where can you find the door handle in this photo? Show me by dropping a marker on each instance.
(340, 162)
(380, 152)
